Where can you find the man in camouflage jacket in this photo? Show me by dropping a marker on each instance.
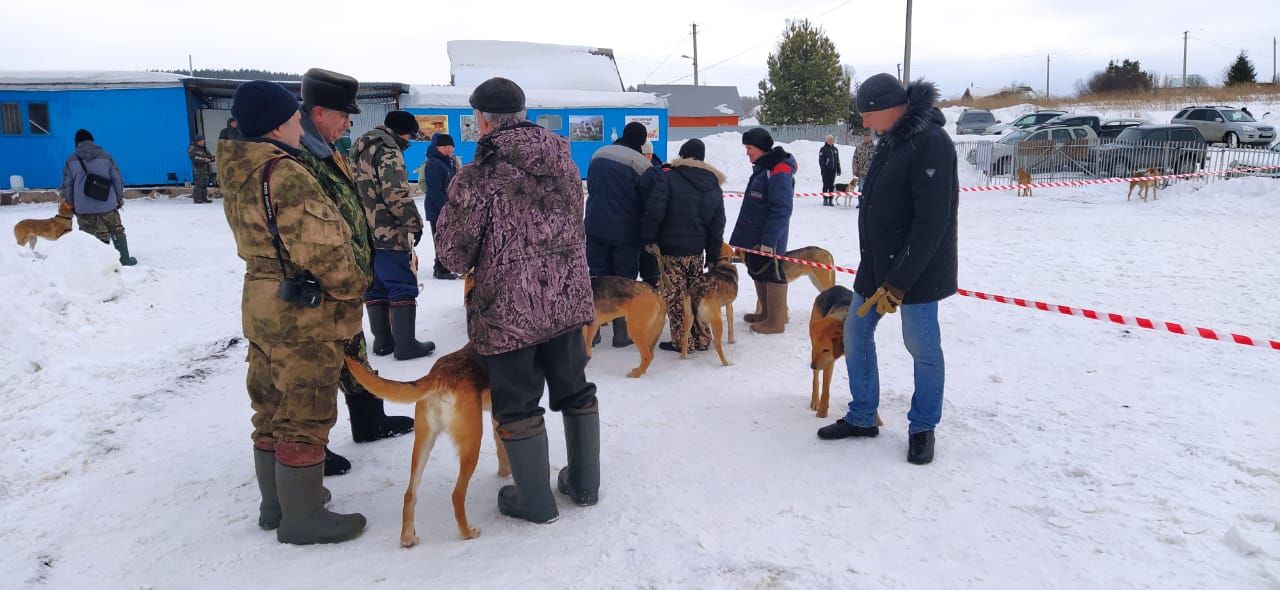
(201, 160)
(295, 346)
(328, 101)
(383, 185)
(862, 161)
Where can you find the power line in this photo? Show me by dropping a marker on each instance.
(668, 58)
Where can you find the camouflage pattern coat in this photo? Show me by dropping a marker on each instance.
(862, 159)
(515, 216)
(201, 159)
(314, 237)
(334, 175)
(383, 184)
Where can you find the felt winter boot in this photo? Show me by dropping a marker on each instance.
(775, 321)
(762, 296)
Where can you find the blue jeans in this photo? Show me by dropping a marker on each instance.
(924, 341)
(393, 278)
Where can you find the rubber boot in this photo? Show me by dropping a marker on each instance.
(580, 480)
(403, 326)
(762, 295)
(380, 324)
(775, 321)
(335, 464)
(369, 419)
(264, 466)
(304, 519)
(530, 498)
(122, 246)
(620, 337)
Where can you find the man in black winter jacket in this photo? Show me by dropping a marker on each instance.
(907, 240)
(829, 166)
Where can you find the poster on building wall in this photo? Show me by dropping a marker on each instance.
(469, 130)
(432, 124)
(586, 127)
(650, 123)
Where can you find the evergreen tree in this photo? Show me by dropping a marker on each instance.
(1126, 75)
(1241, 71)
(806, 84)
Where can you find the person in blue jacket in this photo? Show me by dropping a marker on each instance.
(763, 223)
(437, 173)
(614, 207)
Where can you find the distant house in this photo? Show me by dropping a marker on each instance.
(699, 106)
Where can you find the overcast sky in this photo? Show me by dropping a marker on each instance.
(986, 44)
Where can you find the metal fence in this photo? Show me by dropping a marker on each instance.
(1001, 163)
(780, 133)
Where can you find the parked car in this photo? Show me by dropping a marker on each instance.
(1069, 120)
(974, 121)
(1112, 127)
(1168, 148)
(1024, 122)
(1259, 158)
(1038, 150)
(1227, 125)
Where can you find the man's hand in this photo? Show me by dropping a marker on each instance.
(886, 300)
(652, 248)
(765, 249)
(417, 238)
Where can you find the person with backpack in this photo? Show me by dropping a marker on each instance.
(92, 183)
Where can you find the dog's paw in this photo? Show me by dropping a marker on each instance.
(504, 472)
(408, 541)
(726, 363)
(470, 534)
(635, 373)
(822, 413)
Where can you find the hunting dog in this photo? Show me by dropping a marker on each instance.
(718, 291)
(822, 278)
(826, 339)
(451, 397)
(1024, 182)
(843, 187)
(1144, 185)
(28, 230)
(640, 304)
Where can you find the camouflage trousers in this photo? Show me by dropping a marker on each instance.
(293, 390)
(683, 276)
(101, 225)
(354, 348)
(200, 186)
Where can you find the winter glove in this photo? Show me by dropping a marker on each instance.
(652, 248)
(886, 299)
(417, 238)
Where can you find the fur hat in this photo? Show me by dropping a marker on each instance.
(262, 106)
(880, 92)
(497, 95)
(758, 137)
(694, 149)
(331, 90)
(402, 123)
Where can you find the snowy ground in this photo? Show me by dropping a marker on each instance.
(1071, 454)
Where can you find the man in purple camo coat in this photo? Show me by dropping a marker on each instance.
(515, 218)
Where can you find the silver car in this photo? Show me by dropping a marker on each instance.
(1228, 125)
(974, 121)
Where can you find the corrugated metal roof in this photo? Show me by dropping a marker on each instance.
(80, 79)
(698, 101)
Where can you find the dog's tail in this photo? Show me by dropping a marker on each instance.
(393, 391)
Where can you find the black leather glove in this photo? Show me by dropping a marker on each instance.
(417, 238)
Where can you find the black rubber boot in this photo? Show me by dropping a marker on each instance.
(264, 466)
(403, 326)
(369, 420)
(380, 324)
(620, 337)
(530, 498)
(580, 480)
(335, 464)
(122, 246)
(920, 448)
(842, 429)
(304, 519)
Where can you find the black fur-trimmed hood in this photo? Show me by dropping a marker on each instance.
(921, 113)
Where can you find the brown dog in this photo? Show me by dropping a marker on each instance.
(640, 304)
(826, 338)
(843, 187)
(821, 278)
(718, 291)
(27, 230)
(1144, 185)
(451, 397)
(1024, 181)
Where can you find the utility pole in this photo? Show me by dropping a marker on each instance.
(1046, 76)
(695, 54)
(1184, 58)
(1273, 60)
(899, 72)
(190, 68)
(905, 75)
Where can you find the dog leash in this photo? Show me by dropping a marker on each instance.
(663, 282)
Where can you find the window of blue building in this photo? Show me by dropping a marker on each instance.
(38, 118)
(11, 114)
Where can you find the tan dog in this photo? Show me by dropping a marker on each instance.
(826, 340)
(1144, 185)
(640, 304)
(719, 290)
(1024, 181)
(821, 278)
(451, 397)
(28, 230)
(843, 187)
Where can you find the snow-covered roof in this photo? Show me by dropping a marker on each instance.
(425, 95)
(534, 65)
(67, 79)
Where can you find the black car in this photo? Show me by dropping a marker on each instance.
(1070, 120)
(1174, 149)
(1112, 127)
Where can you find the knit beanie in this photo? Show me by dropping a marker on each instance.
(694, 149)
(262, 106)
(758, 137)
(83, 135)
(634, 135)
(402, 123)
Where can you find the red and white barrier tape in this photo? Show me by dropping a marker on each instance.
(1057, 183)
(1115, 318)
